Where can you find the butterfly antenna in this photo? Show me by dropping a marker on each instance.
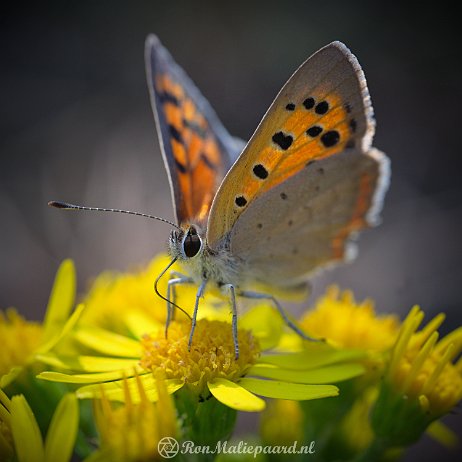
(164, 298)
(67, 206)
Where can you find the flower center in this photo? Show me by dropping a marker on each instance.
(19, 339)
(211, 356)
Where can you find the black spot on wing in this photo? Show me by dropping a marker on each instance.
(260, 171)
(290, 107)
(283, 196)
(240, 201)
(322, 107)
(309, 103)
(330, 138)
(314, 131)
(180, 167)
(175, 134)
(167, 97)
(282, 140)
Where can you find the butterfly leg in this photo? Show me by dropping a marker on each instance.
(199, 295)
(282, 312)
(234, 322)
(175, 279)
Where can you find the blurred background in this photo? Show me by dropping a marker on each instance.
(76, 125)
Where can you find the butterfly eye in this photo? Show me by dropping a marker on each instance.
(192, 244)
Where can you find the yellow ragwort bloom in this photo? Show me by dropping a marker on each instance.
(209, 368)
(421, 384)
(345, 323)
(22, 340)
(421, 367)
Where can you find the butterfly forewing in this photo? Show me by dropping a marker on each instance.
(197, 149)
(323, 110)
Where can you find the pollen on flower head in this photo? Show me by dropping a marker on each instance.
(212, 353)
(421, 368)
(19, 340)
(346, 323)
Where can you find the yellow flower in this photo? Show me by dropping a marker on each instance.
(209, 368)
(421, 367)
(22, 340)
(421, 383)
(345, 323)
(20, 437)
(132, 431)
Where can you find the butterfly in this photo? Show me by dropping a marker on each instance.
(270, 212)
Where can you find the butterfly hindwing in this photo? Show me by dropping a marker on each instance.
(197, 149)
(308, 221)
(322, 110)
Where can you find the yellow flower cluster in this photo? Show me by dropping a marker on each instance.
(387, 382)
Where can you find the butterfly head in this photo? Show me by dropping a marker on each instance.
(186, 243)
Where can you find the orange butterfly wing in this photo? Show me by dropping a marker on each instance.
(197, 149)
(322, 110)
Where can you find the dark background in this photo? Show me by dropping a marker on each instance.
(76, 124)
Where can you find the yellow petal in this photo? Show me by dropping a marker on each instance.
(109, 343)
(62, 331)
(10, 377)
(443, 434)
(26, 433)
(87, 363)
(329, 374)
(62, 433)
(289, 343)
(234, 396)
(287, 390)
(89, 378)
(313, 357)
(5, 405)
(61, 299)
(115, 390)
(264, 325)
(139, 324)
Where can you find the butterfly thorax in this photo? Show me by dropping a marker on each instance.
(189, 246)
